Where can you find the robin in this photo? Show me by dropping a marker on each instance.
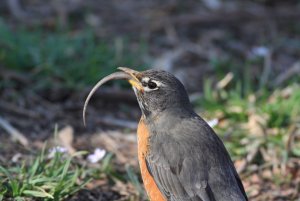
(180, 156)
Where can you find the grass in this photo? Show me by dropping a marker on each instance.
(267, 119)
(49, 179)
(57, 176)
(71, 59)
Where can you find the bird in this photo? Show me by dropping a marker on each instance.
(180, 156)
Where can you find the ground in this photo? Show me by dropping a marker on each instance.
(238, 61)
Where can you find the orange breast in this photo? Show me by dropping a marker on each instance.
(149, 183)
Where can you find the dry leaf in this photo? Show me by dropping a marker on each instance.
(65, 137)
(257, 124)
(123, 145)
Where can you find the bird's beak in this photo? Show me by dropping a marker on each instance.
(134, 81)
(125, 74)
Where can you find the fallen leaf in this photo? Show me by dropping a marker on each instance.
(65, 137)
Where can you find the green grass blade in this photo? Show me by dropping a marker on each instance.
(37, 194)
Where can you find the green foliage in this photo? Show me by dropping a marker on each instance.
(49, 179)
(72, 59)
(259, 118)
(133, 178)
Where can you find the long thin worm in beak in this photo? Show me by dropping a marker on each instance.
(113, 76)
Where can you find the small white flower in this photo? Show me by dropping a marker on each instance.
(97, 155)
(260, 51)
(212, 123)
(55, 150)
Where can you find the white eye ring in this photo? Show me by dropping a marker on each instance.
(147, 89)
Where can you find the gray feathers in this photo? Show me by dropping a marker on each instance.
(189, 162)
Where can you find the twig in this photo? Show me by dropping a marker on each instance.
(225, 81)
(12, 108)
(257, 169)
(16, 135)
(249, 158)
(294, 70)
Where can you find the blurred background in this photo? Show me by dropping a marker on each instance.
(239, 61)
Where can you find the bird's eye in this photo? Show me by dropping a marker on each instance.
(152, 85)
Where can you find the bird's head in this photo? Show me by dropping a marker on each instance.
(156, 90)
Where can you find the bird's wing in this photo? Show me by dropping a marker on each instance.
(172, 175)
(192, 167)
